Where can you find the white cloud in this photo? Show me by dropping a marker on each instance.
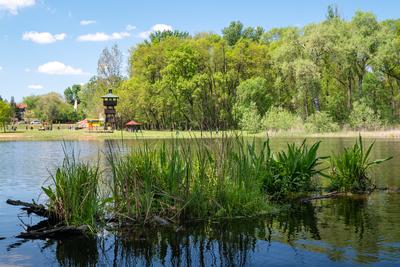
(27, 70)
(43, 37)
(59, 68)
(1, 68)
(13, 6)
(87, 22)
(35, 86)
(130, 27)
(155, 28)
(102, 37)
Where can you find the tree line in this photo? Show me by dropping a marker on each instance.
(321, 76)
(336, 71)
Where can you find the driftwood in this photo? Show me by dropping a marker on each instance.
(329, 195)
(50, 228)
(37, 209)
(55, 232)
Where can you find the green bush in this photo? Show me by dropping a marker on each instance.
(320, 122)
(250, 120)
(349, 170)
(280, 119)
(362, 117)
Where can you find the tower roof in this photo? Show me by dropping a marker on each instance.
(110, 95)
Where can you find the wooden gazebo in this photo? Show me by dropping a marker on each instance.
(133, 126)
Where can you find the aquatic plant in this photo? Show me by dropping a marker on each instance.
(188, 180)
(349, 169)
(73, 194)
(185, 181)
(293, 170)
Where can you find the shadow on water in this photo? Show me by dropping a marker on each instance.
(338, 230)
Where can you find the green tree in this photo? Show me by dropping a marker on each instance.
(233, 32)
(5, 114)
(251, 120)
(71, 94)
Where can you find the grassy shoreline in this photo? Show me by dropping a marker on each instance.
(83, 135)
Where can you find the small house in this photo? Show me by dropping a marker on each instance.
(133, 126)
(20, 111)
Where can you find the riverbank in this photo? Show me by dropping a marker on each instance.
(66, 134)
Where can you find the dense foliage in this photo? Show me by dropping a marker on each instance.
(51, 108)
(211, 81)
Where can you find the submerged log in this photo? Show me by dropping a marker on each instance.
(329, 195)
(37, 209)
(50, 228)
(55, 232)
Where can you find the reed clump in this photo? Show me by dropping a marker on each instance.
(73, 194)
(184, 180)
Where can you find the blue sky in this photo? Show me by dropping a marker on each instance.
(49, 45)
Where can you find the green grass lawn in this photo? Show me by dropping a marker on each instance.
(61, 132)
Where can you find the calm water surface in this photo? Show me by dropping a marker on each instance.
(362, 231)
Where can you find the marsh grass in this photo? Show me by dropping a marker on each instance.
(73, 192)
(207, 178)
(350, 169)
(185, 180)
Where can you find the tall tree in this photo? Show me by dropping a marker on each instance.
(109, 66)
(5, 114)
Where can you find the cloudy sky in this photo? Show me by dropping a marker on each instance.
(49, 45)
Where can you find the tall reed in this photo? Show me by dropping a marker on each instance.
(207, 178)
(73, 194)
(185, 181)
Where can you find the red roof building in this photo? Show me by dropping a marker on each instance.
(133, 126)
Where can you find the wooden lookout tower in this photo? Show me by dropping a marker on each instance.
(110, 102)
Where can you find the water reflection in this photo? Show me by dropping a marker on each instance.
(344, 230)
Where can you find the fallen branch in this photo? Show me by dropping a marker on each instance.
(329, 195)
(37, 209)
(56, 232)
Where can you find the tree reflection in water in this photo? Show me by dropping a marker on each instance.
(342, 229)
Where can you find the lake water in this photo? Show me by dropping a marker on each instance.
(361, 231)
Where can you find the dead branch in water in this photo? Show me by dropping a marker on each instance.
(37, 209)
(49, 228)
(55, 232)
(329, 195)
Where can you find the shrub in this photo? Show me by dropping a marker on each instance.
(250, 120)
(280, 119)
(349, 170)
(363, 117)
(320, 122)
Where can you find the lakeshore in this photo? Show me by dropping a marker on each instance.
(65, 134)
